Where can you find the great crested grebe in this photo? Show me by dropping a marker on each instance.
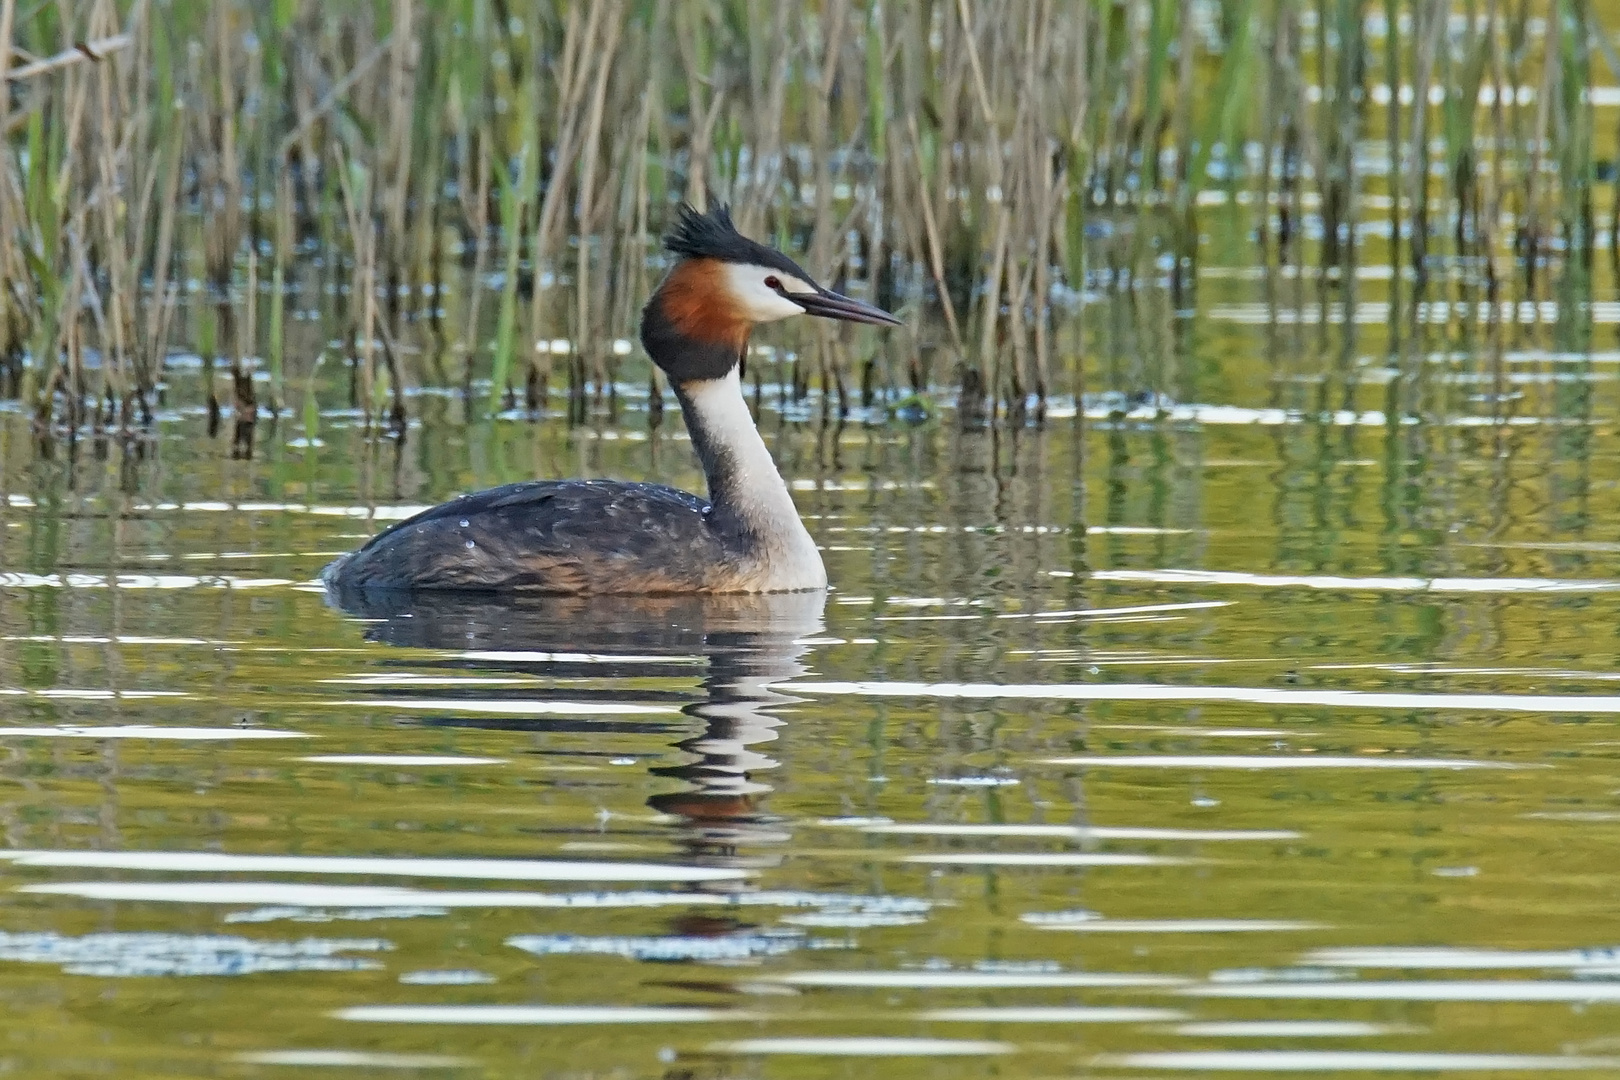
(602, 536)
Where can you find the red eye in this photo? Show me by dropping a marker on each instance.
(773, 282)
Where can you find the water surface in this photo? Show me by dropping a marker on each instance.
(1224, 737)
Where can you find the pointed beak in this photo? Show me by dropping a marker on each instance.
(830, 305)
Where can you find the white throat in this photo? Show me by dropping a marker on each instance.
(744, 487)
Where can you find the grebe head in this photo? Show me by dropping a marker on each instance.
(696, 324)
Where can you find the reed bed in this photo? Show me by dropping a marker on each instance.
(245, 203)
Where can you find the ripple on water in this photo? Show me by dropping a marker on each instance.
(1041, 859)
(147, 731)
(1096, 925)
(1050, 1014)
(406, 678)
(447, 977)
(1243, 695)
(16, 580)
(1060, 832)
(356, 1059)
(710, 949)
(321, 915)
(863, 1046)
(400, 760)
(1289, 1029)
(72, 693)
(1352, 1061)
(528, 656)
(486, 869)
(1278, 761)
(971, 980)
(509, 707)
(538, 1014)
(1485, 585)
(275, 896)
(126, 955)
(1604, 958)
(1503, 990)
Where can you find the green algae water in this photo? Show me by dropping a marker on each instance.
(1235, 727)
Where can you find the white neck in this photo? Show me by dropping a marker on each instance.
(747, 492)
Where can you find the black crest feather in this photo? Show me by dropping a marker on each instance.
(698, 235)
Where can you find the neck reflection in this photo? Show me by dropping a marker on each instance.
(741, 644)
(722, 808)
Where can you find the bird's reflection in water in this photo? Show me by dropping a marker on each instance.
(741, 644)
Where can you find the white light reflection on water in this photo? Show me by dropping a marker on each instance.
(400, 759)
(1373, 312)
(1132, 530)
(1051, 1014)
(358, 1059)
(1289, 1029)
(1104, 613)
(127, 955)
(538, 1014)
(120, 639)
(274, 898)
(1351, 1061)
(1062, 832)
(322, 915)
(1094, 925)
(972, 980)
(1278, 761)
(1362, 584)
(147, 731)
(71, 693)
(925, 618)
(1022, 858)
(525, 656)
(277, 893)
(1244, 695)
(405, 678)
(447, 977)
(1423, 956)
(1222, 415)
(508, 707)
(484, 869)
(1450, 669)
(17, 580)
(1199, 732)
(217, 506)
(708, 949)
(68, 693)
(853, 920)
(863, 1046)
(1417, 990)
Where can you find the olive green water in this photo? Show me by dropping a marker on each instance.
(1214, 739)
